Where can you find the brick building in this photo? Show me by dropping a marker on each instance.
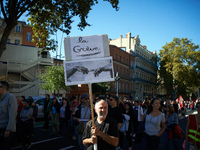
(143, 67)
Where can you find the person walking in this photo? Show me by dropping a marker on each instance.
(73, 105)
(127, 130)
(64, 115)
(81, 115)
(115, 112)
(154, 126)
(18, 136)
(55, 112)
(26, 123)
(8, 114)
(47, 108)
(104, 132)
(138, 113)
(35, 114)
(192, 134)
(171, 121)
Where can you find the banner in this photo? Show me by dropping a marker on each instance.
(86, 47)
(89, 71)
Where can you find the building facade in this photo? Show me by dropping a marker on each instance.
(122, 64)
(144, 74)
(22, 62)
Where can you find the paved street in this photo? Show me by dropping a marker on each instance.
(43, 140)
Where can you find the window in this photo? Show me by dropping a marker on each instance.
(17, 41)
(123, 60)
(8, 41)
(116, 69)
(18, 28)
(116, 56)
(120, 58)
(28, 37)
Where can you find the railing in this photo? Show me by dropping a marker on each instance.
(19, 66)
(140, 68)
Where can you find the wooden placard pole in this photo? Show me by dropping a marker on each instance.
(92, 110)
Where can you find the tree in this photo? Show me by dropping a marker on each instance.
(101, 87)
(180, 64)
(53, 79)
(46, 17)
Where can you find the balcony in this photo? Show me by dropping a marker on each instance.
(140, 68)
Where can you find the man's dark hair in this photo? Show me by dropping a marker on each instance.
(48, 95)
(23, 97)
(115, 97)
(5, 84)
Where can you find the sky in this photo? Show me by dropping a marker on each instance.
(156, 22)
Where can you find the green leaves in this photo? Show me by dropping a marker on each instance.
(53, 78)
(179, 60)
(101, 87)
(48, 16)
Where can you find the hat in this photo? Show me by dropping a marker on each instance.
(84, 96)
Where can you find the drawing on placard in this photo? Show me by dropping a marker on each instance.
(84, 71)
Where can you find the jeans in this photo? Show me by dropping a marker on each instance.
(73, 127)
(5, 143)
(54, 122)
(149, 142)
(46, 121)
(63, 124)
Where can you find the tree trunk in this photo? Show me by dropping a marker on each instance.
(5, 36)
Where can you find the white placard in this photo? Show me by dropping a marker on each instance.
(89, 71)
(84, 47)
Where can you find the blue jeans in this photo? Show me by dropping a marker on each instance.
(149, 142)
(166, 133)
(73, 127)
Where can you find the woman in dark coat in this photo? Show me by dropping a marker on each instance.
(64, 115)
(55, 111)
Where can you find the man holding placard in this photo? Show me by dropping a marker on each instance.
(104, 132)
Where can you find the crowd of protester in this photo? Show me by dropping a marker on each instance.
(143, 120)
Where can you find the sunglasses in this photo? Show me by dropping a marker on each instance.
(85, 98)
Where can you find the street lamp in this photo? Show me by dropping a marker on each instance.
(117, 78)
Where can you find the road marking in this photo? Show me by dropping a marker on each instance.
(69, 147)
(39, 142)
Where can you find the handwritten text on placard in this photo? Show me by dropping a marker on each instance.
(86, 46)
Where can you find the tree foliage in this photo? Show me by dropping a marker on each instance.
(46, 17)
(180, 64)
(100, 88)
(53, 79)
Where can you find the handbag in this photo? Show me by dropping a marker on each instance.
(79, 127)
(175, 132)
